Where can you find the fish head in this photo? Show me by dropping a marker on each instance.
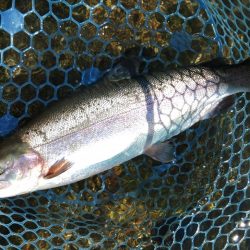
(21, 168)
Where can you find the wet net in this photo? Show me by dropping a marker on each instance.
(200, 201)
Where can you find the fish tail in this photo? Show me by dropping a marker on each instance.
(237, 77)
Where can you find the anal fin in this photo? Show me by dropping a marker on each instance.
(58, 168)
(162, 151)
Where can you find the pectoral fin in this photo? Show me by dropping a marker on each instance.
(58, 168)
(162, 151)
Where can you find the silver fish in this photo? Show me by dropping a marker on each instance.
(109, 123)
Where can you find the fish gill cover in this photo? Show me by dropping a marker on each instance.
(202, 199)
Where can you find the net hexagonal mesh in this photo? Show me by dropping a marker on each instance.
(202, 200)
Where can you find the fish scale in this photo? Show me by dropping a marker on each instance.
(99, 127)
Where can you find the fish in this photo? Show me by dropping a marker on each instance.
(106, 124)
(124, 68)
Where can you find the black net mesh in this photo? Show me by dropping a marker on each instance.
(200, 201)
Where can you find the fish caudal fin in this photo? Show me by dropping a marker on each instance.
(237, 77)
(162, 151)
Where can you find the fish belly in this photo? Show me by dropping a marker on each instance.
(100, 146)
